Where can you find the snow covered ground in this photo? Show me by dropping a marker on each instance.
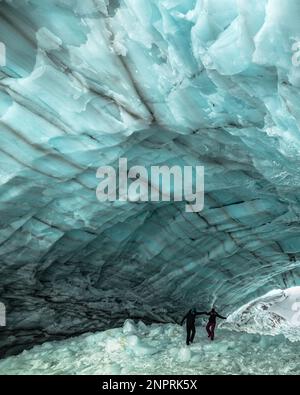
(159, 349)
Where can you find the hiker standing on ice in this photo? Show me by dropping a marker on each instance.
(190, 325)
(210, 327)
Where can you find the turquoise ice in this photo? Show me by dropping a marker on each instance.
(213, 83)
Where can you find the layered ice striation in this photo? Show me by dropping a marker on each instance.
(185, 82)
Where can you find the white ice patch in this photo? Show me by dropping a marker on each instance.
(48, 40)
(277, 312)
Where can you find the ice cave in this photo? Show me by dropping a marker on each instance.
(100, 287)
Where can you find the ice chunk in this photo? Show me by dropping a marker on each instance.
(133, 341)
(142, 327)
(113, 345)
(129, 327)
(184, 354)
(139, 347)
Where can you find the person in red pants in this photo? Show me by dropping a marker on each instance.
(210, 327)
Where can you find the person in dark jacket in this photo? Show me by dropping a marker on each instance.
(210, 327)
(190, 325)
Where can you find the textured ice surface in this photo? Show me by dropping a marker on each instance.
(158, 349)
(277, 312)
(196, 82)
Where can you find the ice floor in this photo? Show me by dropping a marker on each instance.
(159, 349)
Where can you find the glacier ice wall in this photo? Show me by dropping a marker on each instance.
(210, 82)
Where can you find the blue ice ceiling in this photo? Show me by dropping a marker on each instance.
(207, 82)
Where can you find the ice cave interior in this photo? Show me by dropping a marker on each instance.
(160, 82)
